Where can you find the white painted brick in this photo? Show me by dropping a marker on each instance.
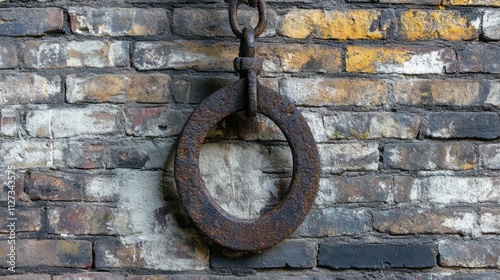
(70, 122)
(491, 24)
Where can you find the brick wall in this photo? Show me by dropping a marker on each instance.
(403, 98)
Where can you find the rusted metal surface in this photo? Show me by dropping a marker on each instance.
(274, 226)
(249, 95)
(233, 17)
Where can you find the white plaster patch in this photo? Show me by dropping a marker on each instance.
(490, 222)
(166, 248)
(465, 224)
(451, 190)
(426, 63)
(327, 193)
(491, 24)
(494, 94)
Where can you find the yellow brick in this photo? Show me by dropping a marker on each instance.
(446, 25)
(398, 59)
(341, 25)
(297, 57)
(475, 2)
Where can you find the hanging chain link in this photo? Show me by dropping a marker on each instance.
(247, 65)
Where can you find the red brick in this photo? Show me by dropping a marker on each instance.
(58, 186)
(26, 219)
(85, 219)
(155, 121)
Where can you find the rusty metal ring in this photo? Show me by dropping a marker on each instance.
(235, 25)
(274, 226)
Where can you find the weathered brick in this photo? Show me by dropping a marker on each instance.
(336, 92)
(454, 190)
(418, 2)
(466, 275)
(403, 189)
(477, 57)
(349, 157)
(490, 155)
(19, 182)
(43, 253)
(293, 58)
(400, 59)
(495, 3)
(371, 126)
(8, 55)
(490, 220)
(217, 57)
(90, 276)
(258, 128)
(9, 122)
(430, 156)
(463, 125)
(86, 219)
(19, 21)
(193, 90)
(433, 25)
(418, 221)
(24, 219)
(214, 23)
(456, 92)
(491, 24)
(341, 25)
(33, 153)
(493, 94)
(457, 253)
(27, 276)
(23, 88)
(293, 253)
(353, 190)
(376, 256)
(90, 154)
(176, 253)
(334, 222)
(155, 121)
(138, 154)
(118, 21)
(58, 186)
(75, 54)
(68, 122)
(184, 55)
(118, 88)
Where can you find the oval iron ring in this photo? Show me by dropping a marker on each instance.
(220, 226)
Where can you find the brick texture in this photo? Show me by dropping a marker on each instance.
(376, 256)
(402, 98)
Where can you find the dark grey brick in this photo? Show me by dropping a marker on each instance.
(480, 58)
(294, 254)
(464, 125)
(335, 222)
(30, 22)
(376, 256)
(430, 156)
